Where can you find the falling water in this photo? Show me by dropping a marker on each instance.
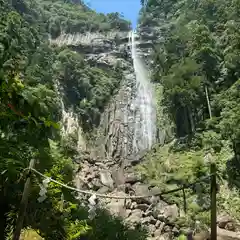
(144, 103)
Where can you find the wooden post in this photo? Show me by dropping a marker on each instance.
(23, 204)
(184, 201)
(213, 202)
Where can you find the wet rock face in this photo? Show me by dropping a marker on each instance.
(120, 118)
(116, 122)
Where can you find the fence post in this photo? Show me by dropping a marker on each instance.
(23, 204)
(213, 202)
(184, 201)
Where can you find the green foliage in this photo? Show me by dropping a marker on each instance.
(169, 169)
(67, 16)
(199, 50)
(113, 228)
(182, 237)
(197, 53)
(85, 88)
(30, 108)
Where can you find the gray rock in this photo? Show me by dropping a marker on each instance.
(135, 216)
(165, 212)
(103, 190)
(133, 205)
(117, 206)
(146, 220)
(128, 212)
(224, 220)
(96, 184)
(141, 190)
(167, 236)
(128, 203)
(155, 190)
(167, 228)
(158, 223)
(132, 178)
(106, 178)
(153, 220)
(121, 187)
(148, 213)
(118, 178)
(161, 227)
(171, 213)
(151, 228)
(154, 200)
(175, 231)
(158, 233)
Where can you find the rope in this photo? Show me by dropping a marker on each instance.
(120, 197)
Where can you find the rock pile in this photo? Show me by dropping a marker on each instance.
(150, 212)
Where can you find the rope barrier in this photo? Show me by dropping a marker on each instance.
(120, 197)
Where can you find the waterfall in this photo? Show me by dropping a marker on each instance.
(144, 103)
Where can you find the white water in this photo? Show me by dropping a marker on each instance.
(144, 103)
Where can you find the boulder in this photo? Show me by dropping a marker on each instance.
(155, 190)
(158, 233)
(117, 206)
(106, 179)
(141, 190)
(151, 229)
(135, 216)
(159, 206)
(96, 184)
(223, 234)
(132, 178)
(166, 212)
(103, 190)
(171, 213)
(146, 220)
(226, 222)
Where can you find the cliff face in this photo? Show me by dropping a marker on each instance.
(108, 166)
(119, 136)
(108, 52)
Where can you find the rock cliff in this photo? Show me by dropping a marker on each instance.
(108, 167)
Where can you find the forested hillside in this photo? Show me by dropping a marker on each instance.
(195, 66)
(30, 69)
(196, 59)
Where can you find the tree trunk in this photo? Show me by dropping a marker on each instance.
(3, 215)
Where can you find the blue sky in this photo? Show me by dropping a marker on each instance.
(129, 8)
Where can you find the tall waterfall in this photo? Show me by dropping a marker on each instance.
(144, 103)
